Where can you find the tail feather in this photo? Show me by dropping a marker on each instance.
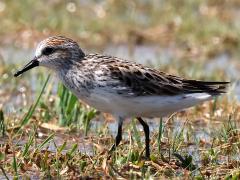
(213, 88)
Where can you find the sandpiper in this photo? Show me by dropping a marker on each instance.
(122, 88)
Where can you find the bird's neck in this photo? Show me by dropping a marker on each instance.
(77, 79)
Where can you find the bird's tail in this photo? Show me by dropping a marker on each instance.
(213, 88)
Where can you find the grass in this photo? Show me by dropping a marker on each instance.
(32, 108)
(170, 156)
(45, 132)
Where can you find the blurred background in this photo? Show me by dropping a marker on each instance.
(196, 39)
(191, 38)
(192, 29)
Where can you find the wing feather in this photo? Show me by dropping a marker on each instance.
(129, 78)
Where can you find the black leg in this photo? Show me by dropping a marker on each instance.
(119, 135)
(147, 140)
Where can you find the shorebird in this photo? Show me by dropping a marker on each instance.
(123, 88)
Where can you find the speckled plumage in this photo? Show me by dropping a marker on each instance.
(120, 87)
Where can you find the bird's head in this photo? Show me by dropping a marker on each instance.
(54, 53)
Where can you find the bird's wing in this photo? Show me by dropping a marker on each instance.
(129, 78)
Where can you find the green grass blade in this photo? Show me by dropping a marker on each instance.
(27, 117)
(71, 103)
(27, 146)
(40, 95)
(160, 133)
(14, 165)
(62, 147)
(88, 117)
(74, 148)
(136, 134)
(2, 125)
(49, 138)
(32, 108)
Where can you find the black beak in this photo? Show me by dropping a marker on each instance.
(33, 63)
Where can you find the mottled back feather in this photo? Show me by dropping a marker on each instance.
(139, 80)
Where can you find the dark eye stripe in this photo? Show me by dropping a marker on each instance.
(47, 51)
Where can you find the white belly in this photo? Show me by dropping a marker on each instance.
(145, 106)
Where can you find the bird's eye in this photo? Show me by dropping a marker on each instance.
(47, 51)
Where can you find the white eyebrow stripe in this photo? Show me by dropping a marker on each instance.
(38, 52)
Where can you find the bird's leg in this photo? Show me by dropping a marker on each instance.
(119, 135)
(147, 140)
